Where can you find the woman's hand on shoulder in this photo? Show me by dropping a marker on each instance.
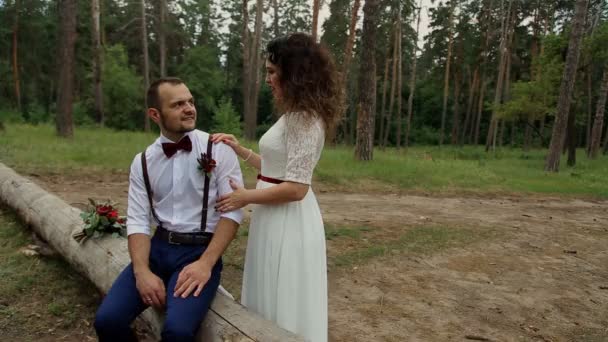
(227, 139)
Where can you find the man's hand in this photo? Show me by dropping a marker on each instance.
(151, 289)
(192, 278)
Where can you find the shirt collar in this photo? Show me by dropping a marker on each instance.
(164, 139)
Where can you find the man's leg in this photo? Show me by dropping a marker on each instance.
(118, 309)
(184, 315)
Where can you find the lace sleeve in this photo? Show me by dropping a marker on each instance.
(304, 139)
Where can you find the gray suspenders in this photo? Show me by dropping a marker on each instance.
(144, 166)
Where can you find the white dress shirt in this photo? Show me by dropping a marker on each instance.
(177, 187)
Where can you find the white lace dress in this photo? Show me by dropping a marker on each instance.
(285, 277)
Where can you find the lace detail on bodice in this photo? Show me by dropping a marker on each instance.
(291, 148)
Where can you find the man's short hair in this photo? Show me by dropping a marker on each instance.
(153, 97)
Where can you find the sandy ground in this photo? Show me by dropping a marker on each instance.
(536, 270)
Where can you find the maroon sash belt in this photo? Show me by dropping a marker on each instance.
(269, 180)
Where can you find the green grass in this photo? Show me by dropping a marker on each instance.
(36, 149)
(332, 232)
(40, 296)
(415, 240)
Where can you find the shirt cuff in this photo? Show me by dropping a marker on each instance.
(134, 229)
(235, 215)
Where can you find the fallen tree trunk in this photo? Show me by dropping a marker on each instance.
(101, 260)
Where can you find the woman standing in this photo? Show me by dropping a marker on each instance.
(285, 277)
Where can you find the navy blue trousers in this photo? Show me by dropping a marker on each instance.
(183, 317)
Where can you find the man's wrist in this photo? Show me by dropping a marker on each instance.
(140, 269)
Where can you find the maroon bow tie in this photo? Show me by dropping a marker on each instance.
(171, 148)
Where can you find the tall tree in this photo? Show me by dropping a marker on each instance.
(412, 85)
(15, 58)
(254, 75)
(315, 17)
(567, 86)
(395, 59)
(162, 37)
(364, 147)
(446, 79)
(245, 41)
(97, 63)
(598, 122)
(146, 59)
(399, 116)
(65, 97)
(506, 26)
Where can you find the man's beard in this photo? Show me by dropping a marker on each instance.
(164, 125)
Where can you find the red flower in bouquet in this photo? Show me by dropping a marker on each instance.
(103, 210)
(100, 219)
(112, 215)
(206, 164)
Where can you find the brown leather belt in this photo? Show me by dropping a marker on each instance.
(175, 238)
(269, 180)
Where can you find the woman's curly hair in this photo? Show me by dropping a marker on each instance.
(308, 78)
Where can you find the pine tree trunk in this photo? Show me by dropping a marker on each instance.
(67, 43)
(482, 92)
(162, 37)
(589, 113)
(364, 147)
(572, 138)
(456, 117)
(275, 19)
(446, 79)
(245, 39)
(567, 86)
(399, 86)
(410, 99)
(382, 114)
(348, 54)
(146, 59)
(255, 70)
(528, 135)
(97, 63)
(391, 102)
(315, 18)
(598, 123)
(471, 99)
(15, 54)
(492, 130)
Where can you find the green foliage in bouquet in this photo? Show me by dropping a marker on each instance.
(100, 219)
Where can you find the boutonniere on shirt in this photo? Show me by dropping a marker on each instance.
(206, 164)
(100, 219)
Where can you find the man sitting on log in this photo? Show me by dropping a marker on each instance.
(174, 182)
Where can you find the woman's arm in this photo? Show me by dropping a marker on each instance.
(279, 194)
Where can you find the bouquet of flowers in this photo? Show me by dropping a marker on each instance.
(99, 219)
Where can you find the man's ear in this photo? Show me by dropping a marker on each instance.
(154, 114)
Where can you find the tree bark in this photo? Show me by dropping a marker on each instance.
(146, 59)
(382, 114)
(470, 101)
(456, 117)
(446, 79)
(254, 84)
(348, 54)
(315, 18)
(492, 130)
(101, 261)
(67, 43)
(567, 86)
(97, 63)
(275, 19)
(391, 102)
(410, 99)
(162, 37)
(589, 113)
(482, 92)
(598, 122)
(15, 54)
(399, 86)
(245, 39)
(364, 146)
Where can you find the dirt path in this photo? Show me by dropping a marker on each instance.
(537, 273)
